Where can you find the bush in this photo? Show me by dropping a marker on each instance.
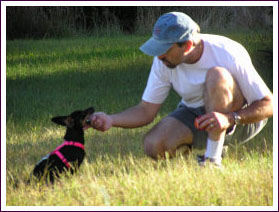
(53, 22)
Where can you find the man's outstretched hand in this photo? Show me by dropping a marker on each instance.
(101, 121)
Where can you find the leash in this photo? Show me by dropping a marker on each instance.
(61, 156)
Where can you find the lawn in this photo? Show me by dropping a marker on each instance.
(45, 78)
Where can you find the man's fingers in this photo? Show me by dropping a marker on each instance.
(205, 122)
(201, 122)
(211, 127)
(204, 117)
(100, 121)
(93, 118)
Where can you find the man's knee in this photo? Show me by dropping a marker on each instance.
(218, 77)
(218, 73)
(153, 146)
(166, 136)
(221, 88)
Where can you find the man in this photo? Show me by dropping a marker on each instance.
(218, 85)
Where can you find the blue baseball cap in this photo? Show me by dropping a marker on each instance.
(170, 28)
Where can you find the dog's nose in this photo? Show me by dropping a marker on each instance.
(88, 122)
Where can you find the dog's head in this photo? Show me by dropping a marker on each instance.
(76, 120)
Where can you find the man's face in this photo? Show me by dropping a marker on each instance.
(173, 57)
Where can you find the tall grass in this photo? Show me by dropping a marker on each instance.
(46, 78)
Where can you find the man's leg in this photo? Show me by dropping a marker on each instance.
(166, 136)
(222, 95)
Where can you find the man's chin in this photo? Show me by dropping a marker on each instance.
(170, 65)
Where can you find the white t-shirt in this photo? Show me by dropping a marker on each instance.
(188, 79)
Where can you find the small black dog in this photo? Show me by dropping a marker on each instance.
(70, 154)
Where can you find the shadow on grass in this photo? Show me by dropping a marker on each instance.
(38, 58)
(36, 97)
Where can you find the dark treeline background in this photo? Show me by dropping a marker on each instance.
(54, 22)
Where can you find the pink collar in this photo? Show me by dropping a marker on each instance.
(66, 143)
(73, 143)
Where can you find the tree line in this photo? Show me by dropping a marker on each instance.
(37, 22)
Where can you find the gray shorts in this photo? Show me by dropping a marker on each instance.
(239, 134)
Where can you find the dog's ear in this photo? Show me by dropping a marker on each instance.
(60, 120)
(66, 121)
(90, 110)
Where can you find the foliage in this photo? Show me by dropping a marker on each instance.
(56, 22)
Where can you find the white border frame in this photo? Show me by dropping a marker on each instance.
(4, 4)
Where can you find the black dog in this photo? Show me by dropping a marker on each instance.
(70, 154)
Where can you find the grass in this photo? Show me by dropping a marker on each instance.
(46, 78)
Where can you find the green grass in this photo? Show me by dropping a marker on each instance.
(46, 78)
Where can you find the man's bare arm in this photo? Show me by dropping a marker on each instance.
(137, 116)
(257, 111)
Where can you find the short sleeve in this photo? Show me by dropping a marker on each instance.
(158, 84)
(250, 82)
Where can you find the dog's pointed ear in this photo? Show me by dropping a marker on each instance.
(66, 121)
(90, 110)
(60, 120)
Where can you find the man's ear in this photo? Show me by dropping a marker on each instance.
(64, 121)
(188, 45)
